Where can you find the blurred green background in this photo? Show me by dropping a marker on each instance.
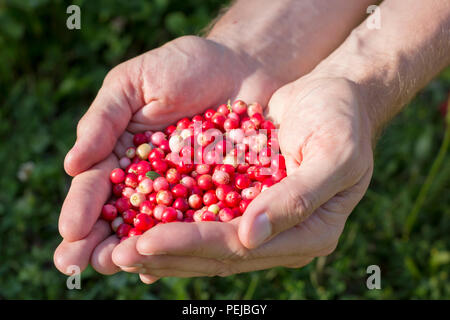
(48, 77)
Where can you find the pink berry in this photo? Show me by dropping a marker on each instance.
(226, 214)
(222, 191)
(127, 192)
(188, 182)
(249, 193)
(254, 108)
(117, 176)
(124, 162)
(145, 186)
(221, 177)
(195, 201)
(109, 212)
(239, 107)
(157, 138)
(158, 211)
(160, 183)
(164, 197)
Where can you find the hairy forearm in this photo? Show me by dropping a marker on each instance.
(288, 38)
(392, 63)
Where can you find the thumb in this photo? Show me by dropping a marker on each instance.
(288, 202)
(101, 126)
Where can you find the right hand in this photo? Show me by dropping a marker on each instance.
(149, 92)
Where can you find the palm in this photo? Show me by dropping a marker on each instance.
(148, 92)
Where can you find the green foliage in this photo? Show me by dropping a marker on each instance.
(48, 77)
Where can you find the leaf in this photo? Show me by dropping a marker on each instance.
(152, 175)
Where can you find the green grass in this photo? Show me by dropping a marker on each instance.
(48, 77)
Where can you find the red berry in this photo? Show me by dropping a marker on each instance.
(152, 197)
(242, 181)
(129, 215)
(218, 119)
(170, 129)
(254, 108)
(123, 230)
(118, 189)
(203, 168)
(143, 222)
(122, 204)
(159, 165)
(143, 167)
(169, 215)
(222, 191)
(209, 198)
(173, 176)
(208, 216)
(131, 180)
(134, 232)
(180, 191)
(230, 124)
(109, 212)
(147, 207)
(117, 176)
(180, 204)
(278, 175)
(243, 205)
(223, 109)
(139, 138)
(183, 124)
(205, 182)
(232, 199)
(156, 153)
(209, 114)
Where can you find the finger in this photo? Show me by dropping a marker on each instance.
(129, 259)
(201, 239)
(104, 122)
(148, 279)
(83, 204)
(101, 259)
(79, 252)
(290, 201)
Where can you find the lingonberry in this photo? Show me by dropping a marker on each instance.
(169, 215)
(159, 165)
(143, 151)
(195, 201)
(131, 180)
(122, 204)
(188, 182)
(180, 191)
(127, 192)
(254, 108)
(156, 153)
(164, 197)
(116, 223)
(139, 138)
(250, 193)
(242, 181)
(208, 114)
(143, 222)
(230, 124)
(136, 199)
(129, 215)
(214, 208)
(239, 107)
(203, 168)
(180, 204)
(208, 216)
(109, 212)
(226, 214)
(170, 129)
(130, 152)
(222, 191)
(147, 207)
(134, 232)
(221, 177)
(278, 175)
(176, 143)
(218, 119)
(124, 162)
(152, 197)
(157, 138)
(232, 199)
(209, 198)
(267, 183)
(173, 176)
(142, 167)
(183, 124)
(165, 146)
(117, 189)
(123, 230)
(117, 176)
(158, 211)
(243, 205)
(205, 182)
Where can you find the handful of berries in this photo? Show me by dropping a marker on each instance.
(207, 168)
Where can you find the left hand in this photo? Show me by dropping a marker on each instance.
(326, 137)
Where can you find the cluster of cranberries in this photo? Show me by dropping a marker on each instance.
(207, 168)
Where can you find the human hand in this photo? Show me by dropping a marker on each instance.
(326, 137)
(182, 78)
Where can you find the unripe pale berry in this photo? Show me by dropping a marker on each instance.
(136, 199)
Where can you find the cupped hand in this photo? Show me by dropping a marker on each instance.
(326, 137)
(182, 78)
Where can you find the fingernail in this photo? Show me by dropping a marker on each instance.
(260, 230)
